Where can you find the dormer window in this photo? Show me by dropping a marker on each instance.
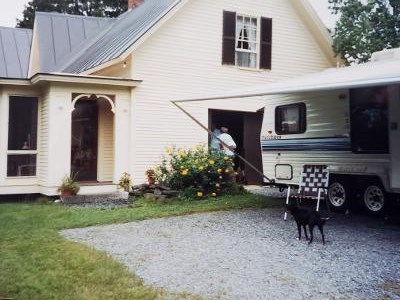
(247, 41)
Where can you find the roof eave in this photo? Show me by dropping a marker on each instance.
(82, 79)
(14, 81)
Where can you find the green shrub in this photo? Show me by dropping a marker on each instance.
(197, 172)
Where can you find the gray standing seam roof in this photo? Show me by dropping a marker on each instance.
(121, 35)
(60, 36)
(15, 46)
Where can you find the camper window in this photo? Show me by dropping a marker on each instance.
(290, 119)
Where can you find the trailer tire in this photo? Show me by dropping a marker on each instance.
(374, 198)
(338, 195)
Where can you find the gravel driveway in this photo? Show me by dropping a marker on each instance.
(254, 254)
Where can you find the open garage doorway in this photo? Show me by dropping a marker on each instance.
(245, 129)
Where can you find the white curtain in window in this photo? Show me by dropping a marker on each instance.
(246, 41)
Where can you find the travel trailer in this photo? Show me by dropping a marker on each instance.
(352, 131)
(345, 118)
(348, 120)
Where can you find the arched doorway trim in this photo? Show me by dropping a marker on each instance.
(88, 96)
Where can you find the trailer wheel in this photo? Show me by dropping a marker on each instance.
(338, 196)
(374, 198)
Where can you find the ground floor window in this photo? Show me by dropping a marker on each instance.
(22, 136)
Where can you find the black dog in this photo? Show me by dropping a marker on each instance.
(303, 217)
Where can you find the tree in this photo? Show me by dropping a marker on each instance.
(364, 27)
(97, 8)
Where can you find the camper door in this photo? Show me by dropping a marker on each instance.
(394, 135)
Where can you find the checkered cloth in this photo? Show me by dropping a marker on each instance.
(313, 178)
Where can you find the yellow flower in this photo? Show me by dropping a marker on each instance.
(227, 170)
(201, 168)
(168, 150)
(211, 162)
(182, 167)
(217, 184)
(199, 147)
(233, 164)
(182, 153)
(236, 173)
(214, 194)
(219, 171)
(184, 172)
(196, 161)
(226, 158)
(199, 194)
(220, 177)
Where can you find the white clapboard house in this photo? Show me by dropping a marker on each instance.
(93, 94)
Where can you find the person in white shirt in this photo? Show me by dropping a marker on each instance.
(228, 140)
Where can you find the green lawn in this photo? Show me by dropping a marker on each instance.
(37, 263)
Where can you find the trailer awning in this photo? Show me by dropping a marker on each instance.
(364, 75)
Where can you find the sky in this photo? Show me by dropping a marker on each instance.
(12, 9)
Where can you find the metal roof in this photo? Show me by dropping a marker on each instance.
(15, 45)
(369, 74)
(60, 36)
(116, 39)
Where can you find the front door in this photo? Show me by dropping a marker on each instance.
(84, 140)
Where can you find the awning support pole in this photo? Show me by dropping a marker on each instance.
(214, 136)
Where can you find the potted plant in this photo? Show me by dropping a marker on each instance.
(69, 186)
(125, 182)
(151, 176)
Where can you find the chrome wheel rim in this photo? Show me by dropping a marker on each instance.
(337, 194)
(374, 198)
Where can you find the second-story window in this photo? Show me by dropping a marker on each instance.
(247, 41)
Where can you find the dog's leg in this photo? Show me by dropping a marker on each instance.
(311, 233)
(321, 229)
(305, 231)
(299, 230)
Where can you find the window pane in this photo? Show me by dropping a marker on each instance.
(290, 119)
(246, 59)
(22, 128)
(21, 165)
(246, 41)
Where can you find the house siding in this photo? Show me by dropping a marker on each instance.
(43, 142)
(183, 59)
(105, 156)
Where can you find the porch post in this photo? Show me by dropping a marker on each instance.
(121, 135)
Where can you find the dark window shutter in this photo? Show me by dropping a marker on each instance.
(228, 39)
(266, 43)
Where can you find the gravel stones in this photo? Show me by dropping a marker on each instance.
(254, 255)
